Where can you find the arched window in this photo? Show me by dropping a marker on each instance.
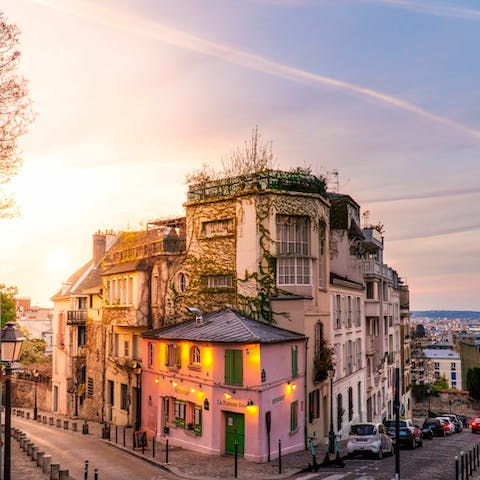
(181, 282)
(194, 355)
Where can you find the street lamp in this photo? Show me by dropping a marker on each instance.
(137, 370)
(429, 393)
(11, 347)
(35, 379)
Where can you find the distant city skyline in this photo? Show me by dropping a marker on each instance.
(134, 95)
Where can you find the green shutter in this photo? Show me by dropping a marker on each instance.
(233, 367)
(238, 367)
(229, 367)
(166, 354)
(294, 361)
(293, 416)
(178, 352)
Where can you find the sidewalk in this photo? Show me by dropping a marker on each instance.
(187, 464)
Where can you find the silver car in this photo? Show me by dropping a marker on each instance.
(369, 438)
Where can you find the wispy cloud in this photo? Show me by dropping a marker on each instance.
(140, 26)
(425, 195)
(439, 10)
(439, 233)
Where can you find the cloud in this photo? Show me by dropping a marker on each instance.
(436, 9)
(177, 38)
(425, 195)
(439, 233)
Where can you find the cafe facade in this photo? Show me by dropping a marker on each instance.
(224, 382)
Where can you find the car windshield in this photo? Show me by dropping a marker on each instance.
(362, 429)
(391, 423)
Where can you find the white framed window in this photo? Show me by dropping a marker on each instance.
(218, 281)
(293, 250)
(195, 355)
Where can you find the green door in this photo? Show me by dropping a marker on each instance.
(234, 430)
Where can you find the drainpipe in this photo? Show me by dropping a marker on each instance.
(306, 406)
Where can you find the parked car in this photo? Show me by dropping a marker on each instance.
(475, 424)
(369, 438)
(455, 420)
(427, 432)
(448, 426)
(436, 425)
(464, 420)
(409, 435)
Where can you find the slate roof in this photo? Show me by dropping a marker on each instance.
(224, 326)
(137, 265)
(72, 281)
(441, 353)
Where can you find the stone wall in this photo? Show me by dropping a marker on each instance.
(23, 393)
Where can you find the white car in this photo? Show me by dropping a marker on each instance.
(369, 437)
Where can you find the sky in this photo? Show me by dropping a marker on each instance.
(134, 95)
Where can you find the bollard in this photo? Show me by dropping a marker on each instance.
(470, 458)
(28, 415)
(153, 446)
(123, 436)
(50, 421)
(461, 466)
(65, 424)
(166, 451)
(29, 449)
(466, 466)
(47, 460)
(85, 473)
(39, 419)
(279, 456)
(116, 434)
(236, 460)
(63, 475)
(59, 423)
(85, 428)
(74, 426)
(34, 453)
(40, 456)
(456, 467)
(95, 474)
(44, 419)
(54, 469)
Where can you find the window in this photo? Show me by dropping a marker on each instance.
(293, 416)
(123, 396)
(180, 408)
(172, 356)
(294, 361)
(453, 366)
(234, 367)
(89, 387)
(150, 354)
(349, 312)
(350, 404)
(293, 249)
(116, 344)
(370, 291)
(217, 228)
(318, 337)
(155, 289)
(453, 375)
(197, 420)
(454, 384)
(436, 365)
(181, 282)
(218, 281)
(82, 335)
(136, 355)
(339, 411)
(338, 311)
(126, 348)
(358, 312)
(321, 254)
(111, 393)
(195, 355)
(313, 405)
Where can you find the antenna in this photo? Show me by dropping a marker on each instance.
(336, 182)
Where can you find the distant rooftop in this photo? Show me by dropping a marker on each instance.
(441, 353)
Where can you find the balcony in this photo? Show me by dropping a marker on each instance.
(372, 267)
(372, 308)
(76, 317)
(370, 345)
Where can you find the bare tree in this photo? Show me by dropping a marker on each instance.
(16, 112)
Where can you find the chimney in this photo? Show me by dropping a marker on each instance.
(99, 247)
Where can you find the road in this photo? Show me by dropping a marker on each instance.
(433, 461)
(71, 449)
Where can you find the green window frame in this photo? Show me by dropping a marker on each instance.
(172, 355)
(294, 360)
(234, 367)
(294, 416)
(180, 411)
(197, 420)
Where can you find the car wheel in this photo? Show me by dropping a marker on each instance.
(380, 453)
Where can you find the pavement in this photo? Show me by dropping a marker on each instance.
(180, 462)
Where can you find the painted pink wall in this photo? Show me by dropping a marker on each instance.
(274, 395)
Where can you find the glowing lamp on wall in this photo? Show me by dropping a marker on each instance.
(227, 396)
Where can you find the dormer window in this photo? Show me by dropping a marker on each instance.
(195, 356)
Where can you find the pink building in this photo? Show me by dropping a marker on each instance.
(222, 378)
